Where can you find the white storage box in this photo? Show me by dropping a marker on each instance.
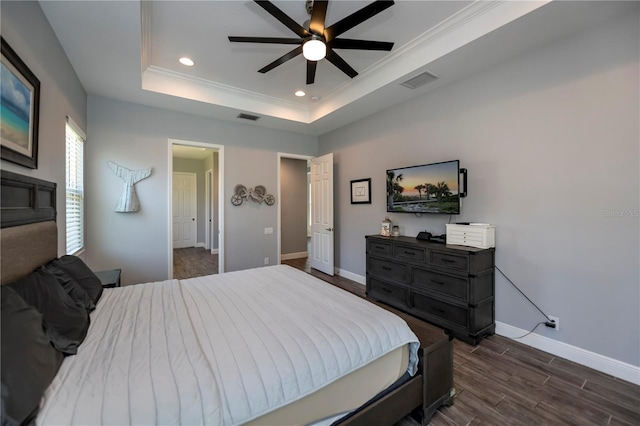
(481, 235)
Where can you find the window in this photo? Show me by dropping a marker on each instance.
(74, 188)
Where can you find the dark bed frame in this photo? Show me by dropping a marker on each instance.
(28, 239)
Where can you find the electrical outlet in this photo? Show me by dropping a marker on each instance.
(266, 260)
(556, 320)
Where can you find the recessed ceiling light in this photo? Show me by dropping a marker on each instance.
(299, 93)
(186, 61)
(315, 98)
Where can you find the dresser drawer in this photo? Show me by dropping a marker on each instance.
(449, 260)
(416, 254)
(454, 314)
(394, 294)
(388, 270)
(441, 283)
(380, 247)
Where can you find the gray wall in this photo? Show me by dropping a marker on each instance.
(550, 140)
(199, 167)
(137, 136)
(27, 31)
(293, 205)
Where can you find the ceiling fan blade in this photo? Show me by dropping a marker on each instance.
(316, 24)
(340, 63)
(284, 18)
(356, 18)
(273, 40)
(281, 60)
(311, 71)
(345, 43)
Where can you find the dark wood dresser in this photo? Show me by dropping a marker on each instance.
(450, 286)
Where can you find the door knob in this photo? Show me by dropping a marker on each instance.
(328, 229)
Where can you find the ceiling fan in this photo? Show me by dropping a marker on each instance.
(317, 41)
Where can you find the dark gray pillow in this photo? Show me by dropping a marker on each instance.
(72, 287)
(76, 268)
(66, 321)
(29, 362)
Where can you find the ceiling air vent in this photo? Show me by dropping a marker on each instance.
(420, 80)
(248, 116)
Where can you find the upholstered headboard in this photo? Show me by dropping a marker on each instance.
(29, 236)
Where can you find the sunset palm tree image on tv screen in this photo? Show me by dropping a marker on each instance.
(428, 188)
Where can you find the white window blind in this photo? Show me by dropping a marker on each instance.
(75, 189)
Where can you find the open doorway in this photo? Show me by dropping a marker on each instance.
(195, 207)
(294, 208)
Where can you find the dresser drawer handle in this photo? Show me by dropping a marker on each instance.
(438, 310)
(386, 268)
(409, 253)
(386, 290)
(445, 260)
(437, 282)
(380, 247)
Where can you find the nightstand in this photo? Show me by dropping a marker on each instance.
(110, 278)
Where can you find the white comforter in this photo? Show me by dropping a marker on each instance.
(222, 349)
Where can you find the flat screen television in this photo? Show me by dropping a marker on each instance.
(428, 188)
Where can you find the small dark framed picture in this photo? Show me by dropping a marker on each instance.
(361, 191)
(20, 103)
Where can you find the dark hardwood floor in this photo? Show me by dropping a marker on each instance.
(193, 262)
(503, 382)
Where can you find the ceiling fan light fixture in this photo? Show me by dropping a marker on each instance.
(314, 49)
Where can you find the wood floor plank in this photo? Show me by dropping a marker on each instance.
(483, 413)
(615, 421)
(573, 402)
(457, 413)
(476, 382)
(495, 344)
(485, 363)
(563, 417)
(511, 409)
(616, 397)
(440, 419)
(523, 351)
(581, 370)
(549, 369)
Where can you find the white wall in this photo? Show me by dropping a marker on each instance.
(27, 31)
(550, 140)
(137, 136)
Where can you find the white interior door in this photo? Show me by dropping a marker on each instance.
(208, 244)
(184, 210)
(322, 214)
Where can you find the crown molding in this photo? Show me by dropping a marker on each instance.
(173, 83)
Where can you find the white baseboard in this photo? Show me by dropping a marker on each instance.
(200, 245)
(619, 369)
(351, 276)
(215, 251)
(297, 255)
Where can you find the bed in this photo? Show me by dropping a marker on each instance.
(269, 345)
